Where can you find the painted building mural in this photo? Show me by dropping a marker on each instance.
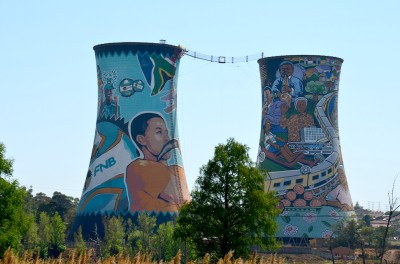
(299, 143)
(136, 163)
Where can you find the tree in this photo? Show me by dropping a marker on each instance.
(44, 234)
(57, 235)
(351, 233)
(378, 240)
(346, 234)
(357, 206)
(394, 206)
(5, 164)
(13, 220)
(164, 242)
(114, 236)
(367, 219)
(64, 205)
(146, 225)
(79, 242)
(41, 203)
(229, 209)
(31, 237)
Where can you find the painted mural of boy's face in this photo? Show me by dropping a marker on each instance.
(155, 137)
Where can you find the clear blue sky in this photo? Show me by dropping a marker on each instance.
(49, 91)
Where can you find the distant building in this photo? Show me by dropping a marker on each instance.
(379, 223)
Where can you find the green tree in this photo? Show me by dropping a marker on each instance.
(44, 234)
(57, 235)
(378, 240)
(367, 220)
(64, 205)
(79, 242)
(229, 209)
(31, 237)
(357, 206)
(146, 226)
(351, 233)
(164, 243)
(41, 203)
(347, 233)
(114, 236)
(6, 167)
(13, 221)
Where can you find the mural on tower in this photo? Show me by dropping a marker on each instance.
(135, 164)
(299, 143)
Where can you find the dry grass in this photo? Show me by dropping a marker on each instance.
(88, 258)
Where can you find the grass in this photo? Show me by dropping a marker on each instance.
(87, 258)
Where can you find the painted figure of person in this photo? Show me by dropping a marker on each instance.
(287, 83)
(151, 183)
(109, 107)
(99, 86)
(272, 143)
(297, 122)
(276, 113)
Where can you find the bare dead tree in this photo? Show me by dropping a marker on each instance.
(97, 242)
(394, 205)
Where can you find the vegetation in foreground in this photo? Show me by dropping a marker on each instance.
(87, 257)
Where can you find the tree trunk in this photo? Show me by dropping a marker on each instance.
(333, 257)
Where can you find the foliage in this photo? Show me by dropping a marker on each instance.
(164, 242)
(347, 234)
(377, 240)
(65, 206)
(44, 234)
(59, 203)
(57, 235)
(357, 206)
(229, 207)
(5, 164)
(114, 236)
(14, 222)
(394, 206)
(31, 237)
(367, 220)
(79, 242)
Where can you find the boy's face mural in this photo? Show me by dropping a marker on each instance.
(155, 137)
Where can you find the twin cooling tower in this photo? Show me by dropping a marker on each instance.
(136, 164)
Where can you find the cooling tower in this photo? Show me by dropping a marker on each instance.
(299, 144)
(136, 163)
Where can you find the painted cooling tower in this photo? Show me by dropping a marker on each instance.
(299, 143)
(136, 164)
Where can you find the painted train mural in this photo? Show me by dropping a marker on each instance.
(136, 164)
(299, 144)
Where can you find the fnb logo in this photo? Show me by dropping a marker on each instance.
(109, 163)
